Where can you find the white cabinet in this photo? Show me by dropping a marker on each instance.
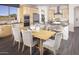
(65, 33)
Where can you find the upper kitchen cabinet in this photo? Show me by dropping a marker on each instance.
(58, 12)
(28, 11)
(62, 12)
(65, 13)
(50, 14)
(35, 10)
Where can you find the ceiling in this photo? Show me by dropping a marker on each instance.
(51, 6)
(11, 5)
(47, 5)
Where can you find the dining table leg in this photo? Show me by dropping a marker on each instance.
(41, 47)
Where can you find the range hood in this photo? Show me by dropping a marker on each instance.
(58, 11)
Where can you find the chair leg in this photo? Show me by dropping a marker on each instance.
(18, 46)
(30, 50)
(23, 48)
(54, 52)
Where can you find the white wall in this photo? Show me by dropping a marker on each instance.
(76, 21)
(46, 14)
(18, 14)
(39, 11)
(71, 16)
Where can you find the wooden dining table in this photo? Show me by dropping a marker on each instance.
(43, 35)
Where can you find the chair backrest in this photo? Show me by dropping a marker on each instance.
(27, 38)
(58, 38)
(16, 34)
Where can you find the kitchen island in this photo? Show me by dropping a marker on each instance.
(5, 30)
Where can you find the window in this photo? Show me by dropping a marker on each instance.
(6, 11)
(13, 12)
(3, 10)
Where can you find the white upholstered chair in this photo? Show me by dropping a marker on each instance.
(53, 45)
(16, 35)
(28, 40)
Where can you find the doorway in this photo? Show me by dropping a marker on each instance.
(76, 16)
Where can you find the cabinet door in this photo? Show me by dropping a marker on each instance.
(65, 33)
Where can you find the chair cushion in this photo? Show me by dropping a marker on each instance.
(49, 44)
